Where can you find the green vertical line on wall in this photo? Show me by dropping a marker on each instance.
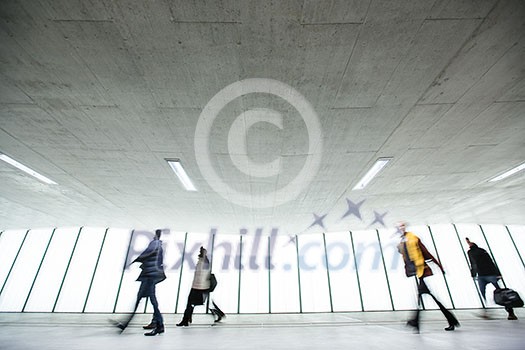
(212, 250)
(38, 270)
(180, 273)
(487, 243)
(67, 269)
(123, 270)
(240, 268)
(491, 254)
(357, 272)
(328, 273)
(269, 265)
(14, 262)
(439, 259)
(211, 270)
(95, 270)
(386, 274)
(468, 264)
(298, 273)
(514, 244)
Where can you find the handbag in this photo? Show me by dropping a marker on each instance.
(213, 283)
(507, 297)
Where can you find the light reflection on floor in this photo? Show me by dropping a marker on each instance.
(357, 330)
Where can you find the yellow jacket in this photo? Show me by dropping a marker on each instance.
(416, 254)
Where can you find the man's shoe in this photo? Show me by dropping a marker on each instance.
(453, 326)
(152, 325)
(512, 317)
(183, 324)
(157, 330)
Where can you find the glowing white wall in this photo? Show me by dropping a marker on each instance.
(89, 270)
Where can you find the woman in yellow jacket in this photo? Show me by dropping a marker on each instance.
(415, 255)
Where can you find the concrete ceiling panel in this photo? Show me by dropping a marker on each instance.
(97, 94)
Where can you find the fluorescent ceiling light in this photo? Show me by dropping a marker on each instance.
(508, 173)
(22, 167)
(176, 166)
(374, 170)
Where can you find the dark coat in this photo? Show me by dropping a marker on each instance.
(152, 262)
(481, 263)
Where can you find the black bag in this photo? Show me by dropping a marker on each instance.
(507, 297)
(410, 269)
(213, 283)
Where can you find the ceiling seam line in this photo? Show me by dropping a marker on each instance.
(351, 55)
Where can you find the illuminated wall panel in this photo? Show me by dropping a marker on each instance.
(314, 278)
(257, 272)
(517, 235)
(343, 278)
(254, 296)
(374, 287)
(49, 279)
(81, 268)
(10, 245)
(24, 270)
(105, 285)
(450, 251)
(284, 276)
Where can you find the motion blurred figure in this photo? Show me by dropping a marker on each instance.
(415, 255)
(200, 290)
(482, 266)
(152, 266)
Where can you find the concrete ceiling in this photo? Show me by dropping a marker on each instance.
(275, 108)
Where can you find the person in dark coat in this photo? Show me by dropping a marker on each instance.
(200, 290)
(152, 267)
(415, 256)
(482, 266)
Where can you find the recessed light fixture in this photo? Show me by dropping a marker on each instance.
(508, 173)
(374, 170)
(176, 166)
(25, 169)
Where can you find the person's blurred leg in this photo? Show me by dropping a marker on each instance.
(512, 315)
(157, 316)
